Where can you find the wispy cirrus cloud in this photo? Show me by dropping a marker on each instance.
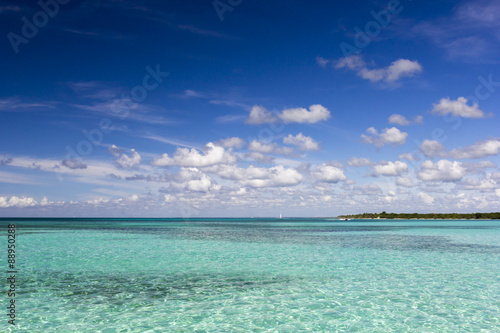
(204, 32)
(470, 34)
(16, 104)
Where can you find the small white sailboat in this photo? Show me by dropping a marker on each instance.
(281, 216)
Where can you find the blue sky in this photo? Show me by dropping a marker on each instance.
(248, 108)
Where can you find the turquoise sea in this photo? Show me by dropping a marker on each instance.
(254, 275)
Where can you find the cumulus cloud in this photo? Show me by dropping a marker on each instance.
(390, 168)
(252, 176)
(479, 149)
(484, 185)
(367, 189)
(15, 201)
(432, 148)
(315, 114)
(402, 68)
(329, 174)
(260, 157)
(426, 198)
(259, 115)
(276, 176)
(408, 157)
(458, 108)
(404, 181)
(74, 164)
(128, 162)
(193, 158)
(233, 172)
(399, 120)
(262, 148)
(233, 142)
(443, 170)
(418, 120)
(395, 71)
(359, 162)
(115, 151)
(193, 179)
(301, 141)
(388, 136)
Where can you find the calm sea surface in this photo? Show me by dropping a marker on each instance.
(262, 275)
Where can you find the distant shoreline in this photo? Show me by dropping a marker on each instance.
(425, 216)
(419, 218)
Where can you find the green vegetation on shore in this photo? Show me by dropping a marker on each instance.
(384, 215)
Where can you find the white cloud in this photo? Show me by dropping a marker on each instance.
(301, 141)
(443, 170)
(236, 173)
(329, 174)
(115, 151)
(193, 179)
(233, 142)
(15, 104)
(479, 149)
(276, 176)
(322, 61)
(262, 148)
(74, 164)
(432, 148)
(260, 157)
(396, 70)
(199, 185)
(428, 199)
(388, 136)
(402, 68)
(408, 157)
(315, 114)
(359, 162)
(127, 108)
(259, 115)
(484, 185)
(404, 181)
(257, 177)
(399, 120)
(192, 157)
(133, 197)
(128, 162)
(418, 119)
(458, 108)
(15, 201)
(354, 62)
(390, 168)
(366, 189)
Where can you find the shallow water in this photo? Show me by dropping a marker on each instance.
(240, 275)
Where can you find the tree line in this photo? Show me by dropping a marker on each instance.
(384, 215)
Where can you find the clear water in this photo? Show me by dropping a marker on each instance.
(241, 275)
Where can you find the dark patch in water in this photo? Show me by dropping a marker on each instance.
(114, 288)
